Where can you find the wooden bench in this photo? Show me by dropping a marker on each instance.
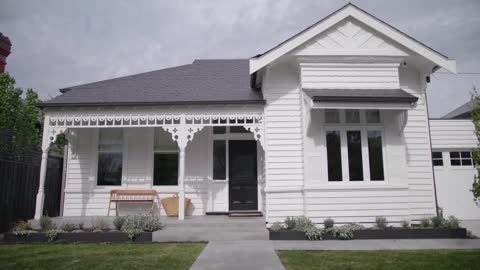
(131, 195)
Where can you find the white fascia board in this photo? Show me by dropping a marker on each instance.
(362, 105)
(369, 20)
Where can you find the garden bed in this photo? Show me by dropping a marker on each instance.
(85, 237)
(389, 233)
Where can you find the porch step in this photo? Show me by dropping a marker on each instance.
(245, 214)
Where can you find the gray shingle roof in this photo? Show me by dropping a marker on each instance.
(360, 95)
(202, 82)
(462, 112)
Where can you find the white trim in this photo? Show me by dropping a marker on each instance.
(362, 105)
(360, 15)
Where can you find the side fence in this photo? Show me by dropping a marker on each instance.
(19, 186)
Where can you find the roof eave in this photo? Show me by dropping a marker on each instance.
(118, 104)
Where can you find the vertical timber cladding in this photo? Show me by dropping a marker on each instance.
(283, 131)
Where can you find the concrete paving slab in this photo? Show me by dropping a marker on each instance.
(404, 244)
(233, 255)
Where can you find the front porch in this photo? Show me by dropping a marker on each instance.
(209, 155)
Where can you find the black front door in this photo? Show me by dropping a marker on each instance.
(243, 175)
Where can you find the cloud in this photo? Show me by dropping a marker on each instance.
(57, 44)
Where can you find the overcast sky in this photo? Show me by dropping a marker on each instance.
(63, 43)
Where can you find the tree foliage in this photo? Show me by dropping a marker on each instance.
(19, 118)
(476, 153)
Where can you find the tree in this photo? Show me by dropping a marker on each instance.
(476, 152)
(20, 119)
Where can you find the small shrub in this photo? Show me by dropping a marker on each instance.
(118, 222)
(425, 223)
(81, 225)
(405, 224)
(99, 224)
(136, 224)
(277, 226)
(290, 223)
(69, 227)
(328, 223)
(22, 228)
(46, 223)
(52, 234)
(152, 223)
(452, 222)
(438, 221)
(314, 233)
(343, 233)
(302, 223)
(381, 222)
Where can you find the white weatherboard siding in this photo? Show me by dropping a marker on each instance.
(284, 149)
(453, 183)
(447, 134)
(84, 198)
(345, 76)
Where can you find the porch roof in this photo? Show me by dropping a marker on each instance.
(360, 95)
(361, 98)
(221, 81)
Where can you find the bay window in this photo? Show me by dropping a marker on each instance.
(165, 159)
(110, 157)
(354, 145)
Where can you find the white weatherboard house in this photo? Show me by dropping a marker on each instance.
(330, 123)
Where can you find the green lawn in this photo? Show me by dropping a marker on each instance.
(99, 256)
(391, 260)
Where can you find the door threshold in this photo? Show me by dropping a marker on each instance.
(245, 213)
(216, 213)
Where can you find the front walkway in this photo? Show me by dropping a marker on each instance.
(239, 254)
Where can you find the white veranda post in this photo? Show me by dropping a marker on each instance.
(43, 172)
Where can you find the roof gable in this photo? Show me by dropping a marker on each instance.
(350, 37)
(351, 11)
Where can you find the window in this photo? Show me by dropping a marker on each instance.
(437, 159)
(354, 149)
(219, 160)
(110, 144)
(461, 158)
(165, 159)
(352, 116)
(332, 116)
(334, 156)
(372, 116)
(375, 155)
(355, 164)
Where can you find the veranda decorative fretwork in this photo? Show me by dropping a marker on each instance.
(182, 126)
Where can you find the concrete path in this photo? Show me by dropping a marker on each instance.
(404, 244)
(241, 254)
(213, 228)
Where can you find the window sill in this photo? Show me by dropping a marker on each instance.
(356, 186)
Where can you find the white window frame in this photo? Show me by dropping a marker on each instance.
(461, 166)
(94, 172)
(363, 127)
(441, 158)
(227, 136)
(153, 161)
